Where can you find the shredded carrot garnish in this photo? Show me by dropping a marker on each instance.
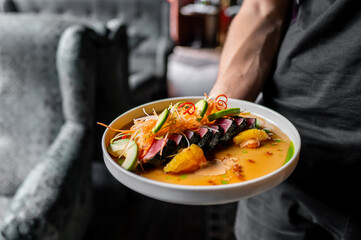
(181, 117)
(111, 128)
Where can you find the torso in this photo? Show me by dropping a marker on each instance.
(317, 85)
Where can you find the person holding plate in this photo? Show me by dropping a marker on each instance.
(305, 58)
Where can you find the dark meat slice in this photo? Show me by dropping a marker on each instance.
(179, 140)
(229, 126)
(241, 125)
(192, 136)
(251, 123)
(217, 135)
(206, 138)
(153, 156)
(205, 135)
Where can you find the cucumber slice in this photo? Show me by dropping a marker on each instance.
(202, 107)
(258, 123)
(161, 120)
(229, 111)
(125, 150)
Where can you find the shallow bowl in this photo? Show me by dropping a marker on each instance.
(201, 195)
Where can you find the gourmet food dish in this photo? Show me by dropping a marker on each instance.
(200, 143)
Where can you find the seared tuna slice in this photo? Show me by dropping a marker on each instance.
(217, 135)
(205, 135)
(179, 140)
(251, 123)
(192, 136)
(153, 156)
(229, 126)
(241, 125)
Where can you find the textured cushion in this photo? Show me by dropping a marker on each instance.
(147, 22)
(4, 205)
(140, 14)
(54, 195)
(52, 101)
(146, 48)
(30, 101)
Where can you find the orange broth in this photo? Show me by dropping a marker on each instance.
(253, 162)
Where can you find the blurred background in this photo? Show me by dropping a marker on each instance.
(67, 64)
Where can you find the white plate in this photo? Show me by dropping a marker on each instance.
(202, 195)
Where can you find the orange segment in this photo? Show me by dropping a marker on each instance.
(188, 160)
(257, 134)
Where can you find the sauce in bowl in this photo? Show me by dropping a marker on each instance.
(231, 163)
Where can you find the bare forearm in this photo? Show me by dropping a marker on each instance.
(251, 46)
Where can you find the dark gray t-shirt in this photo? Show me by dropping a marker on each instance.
(317, 86)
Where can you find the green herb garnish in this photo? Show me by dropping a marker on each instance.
(184, 176)
(290, 152)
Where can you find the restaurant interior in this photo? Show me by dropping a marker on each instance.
(66, 65)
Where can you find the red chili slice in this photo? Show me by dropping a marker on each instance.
(188, 110)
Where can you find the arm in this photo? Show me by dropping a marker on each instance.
(250, 48)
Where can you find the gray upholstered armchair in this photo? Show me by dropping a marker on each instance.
(47, 75)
